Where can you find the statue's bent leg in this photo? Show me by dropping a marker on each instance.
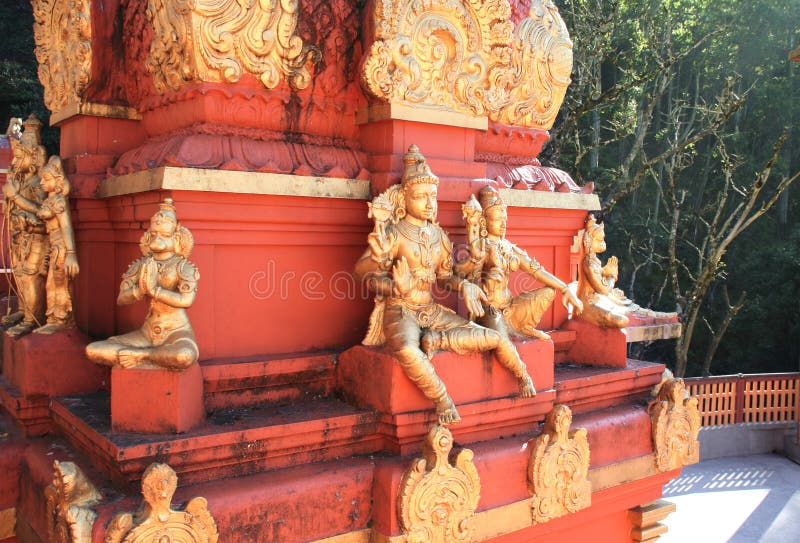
(527, 309)
(178, 352)
(106, 352)
(507, 354)
(402, 338)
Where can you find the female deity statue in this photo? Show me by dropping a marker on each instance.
(63, 262)
(409, 252)
(165, 276)
(492, 259)
(29, 240)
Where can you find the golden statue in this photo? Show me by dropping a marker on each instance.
(156, 521)
(675, 420)
(492, 259)
(70, 498)
(166, 276)
(409, 252)
(30, 244)
(62, 262)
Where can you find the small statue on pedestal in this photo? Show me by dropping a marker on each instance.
(492, 259)
(169, 280)
(30, 243)
(409, 252)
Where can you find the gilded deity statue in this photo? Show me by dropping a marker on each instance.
(492, 259)
(409, 252)
(165, 276)
(603, 304)
(30, 244)
(62, 261)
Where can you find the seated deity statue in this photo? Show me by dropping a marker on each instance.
(408, 253)
(29, 240)
(62, 261)
(165, 276)
(491, 260)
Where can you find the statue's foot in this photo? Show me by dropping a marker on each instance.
(21, 329)
(538, 334)
(131, 358)
(430, 342)
(446, 410)
(12, 319)
(526, 388)
(49, 329)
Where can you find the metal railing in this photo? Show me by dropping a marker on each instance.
(733, 399)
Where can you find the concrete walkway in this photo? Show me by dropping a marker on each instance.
(742, 499)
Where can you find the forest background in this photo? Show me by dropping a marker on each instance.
(686, 116)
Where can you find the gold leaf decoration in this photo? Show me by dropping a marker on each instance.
(157, 522)
(62, 30)
(541, 65)
(69, 500)
(675, 421)
(467, 57)
(558, 468)
(220, 40)
(439, 53)
(438, 499)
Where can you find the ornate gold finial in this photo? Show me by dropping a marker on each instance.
(69, 500)
(558, 468)
(157, 522)
(468, 58)
(220, 40)
(416, 169)
(675, 421)
(62, 30)
(437, 500)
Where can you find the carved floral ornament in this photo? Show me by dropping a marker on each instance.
(220, 40)
(156, 521)
(558, 468)
(62, 30)
(438, 499)
(675, 421)
(466, 56)
(69, 499)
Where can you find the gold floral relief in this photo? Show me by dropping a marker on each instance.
(558, 468)
(156, 521)
(438, 499)
(221, 40)
(62, 30)
(445, 54)
(69, 499)
(541, 66)
(675, 420)
(467, 57)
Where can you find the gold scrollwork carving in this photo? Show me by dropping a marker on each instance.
(541, 66)
(157, 522)
(220, 40)
(467, 57)
(558, 468)
(675, 421)
(62, 31)
(69, 500)
(438, 499)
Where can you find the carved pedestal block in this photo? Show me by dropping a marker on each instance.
(51, 365)
(156, 400)
(372, 377)
(595, 346)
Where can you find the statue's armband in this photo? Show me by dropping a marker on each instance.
(188, 276)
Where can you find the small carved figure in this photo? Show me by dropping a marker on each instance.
(675, 420)
(156, 521)
(409, 252)
(70, 498)
(492, 259)
(169, 280)
(29, 240)
(63, 262)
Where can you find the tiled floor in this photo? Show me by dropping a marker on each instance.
(741, 499)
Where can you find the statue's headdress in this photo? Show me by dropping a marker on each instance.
(416, 169)
(32, 133)
(165, 213)
(489, 197)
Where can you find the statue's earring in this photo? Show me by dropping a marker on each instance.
(484, 231)
(144, 243)
(400, 213)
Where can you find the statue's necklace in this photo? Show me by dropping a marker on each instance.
(421, 235)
